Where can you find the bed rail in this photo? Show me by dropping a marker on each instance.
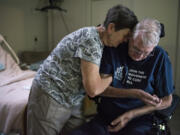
(10, 49)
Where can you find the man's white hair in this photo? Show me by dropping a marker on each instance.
(149, 31)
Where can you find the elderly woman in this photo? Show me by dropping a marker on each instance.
(71, 70)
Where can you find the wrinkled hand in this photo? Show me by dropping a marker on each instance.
(120, 122)
(148, 98)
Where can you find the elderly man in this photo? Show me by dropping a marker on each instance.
(139, 64)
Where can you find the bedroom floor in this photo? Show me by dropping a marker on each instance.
(175, 122)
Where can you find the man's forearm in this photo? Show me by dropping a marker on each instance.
(142, 111)
(166, 102)
(123, 119)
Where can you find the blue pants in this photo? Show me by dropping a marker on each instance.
(138, 126)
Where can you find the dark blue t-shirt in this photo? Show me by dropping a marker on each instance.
(153, 75)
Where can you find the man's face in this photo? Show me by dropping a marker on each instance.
(117, 37)
(137, 51)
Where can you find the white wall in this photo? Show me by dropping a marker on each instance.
(20, 24)
(61, 23)
(177, 73)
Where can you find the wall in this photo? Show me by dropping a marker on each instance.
(62, 23)
(21, 24)
(177, 66)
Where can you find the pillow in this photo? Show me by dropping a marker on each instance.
(2, 67)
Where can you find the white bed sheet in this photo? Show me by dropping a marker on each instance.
(14, 91)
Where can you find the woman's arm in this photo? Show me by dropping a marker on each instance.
(130, 93)
(92, 81)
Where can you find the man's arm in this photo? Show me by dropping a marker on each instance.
(122, 120)
(92, 81)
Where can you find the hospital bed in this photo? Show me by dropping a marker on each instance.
(14, 91)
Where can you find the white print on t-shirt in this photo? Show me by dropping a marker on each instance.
(133, 76)
(119, 73)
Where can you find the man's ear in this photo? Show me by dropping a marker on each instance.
(111, 28)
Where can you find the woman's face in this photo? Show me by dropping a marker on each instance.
(115, 38)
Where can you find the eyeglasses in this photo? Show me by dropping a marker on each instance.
(139, 52)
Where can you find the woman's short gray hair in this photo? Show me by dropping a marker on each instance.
(149, 30)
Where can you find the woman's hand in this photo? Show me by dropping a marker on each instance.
(147, 98)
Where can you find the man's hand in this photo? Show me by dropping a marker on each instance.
(164, 102)
(120, 122)
(123, 119)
